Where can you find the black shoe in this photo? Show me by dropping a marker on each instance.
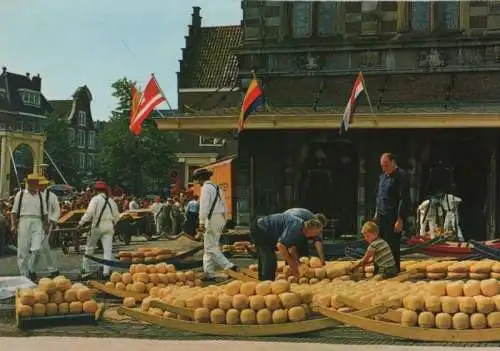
(32, 276)
(234, 268)
(209, 279)
(53, 274)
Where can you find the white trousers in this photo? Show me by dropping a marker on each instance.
(105, 235)
(43, 250)
(212, 255)
(29, 228)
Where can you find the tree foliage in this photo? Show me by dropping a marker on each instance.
(125, 159)
(58, 147)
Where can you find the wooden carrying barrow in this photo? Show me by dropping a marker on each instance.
(234, 330)
(388, 321)
(33, 322)
(115, 292)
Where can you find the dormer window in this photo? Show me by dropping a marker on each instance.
(82, 118)
(30, 97)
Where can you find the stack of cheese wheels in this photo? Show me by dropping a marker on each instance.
(142, 278)
(472, 304)
(234, 303)
(145, 255)
(239, 247)
(55, 297)
(311, 271)
(478, 270)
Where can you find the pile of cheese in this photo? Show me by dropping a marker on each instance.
(479, 270)
(311, 271)
(145, 255)
(453, 305)
(56, 296)
(142, 278)
(234, 303)
(239, 247)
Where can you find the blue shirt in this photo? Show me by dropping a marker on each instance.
(282, 228)
(393, 194)
(305, 215)
(193, 206)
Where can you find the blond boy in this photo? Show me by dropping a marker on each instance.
(378, 252)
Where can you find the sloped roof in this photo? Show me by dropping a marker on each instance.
(12, 101)
(62, 107)
(210, 62)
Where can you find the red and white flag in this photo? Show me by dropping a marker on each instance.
(151, 97)
(357, 89)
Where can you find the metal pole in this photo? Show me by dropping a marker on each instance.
(55, 166)
(15, 167)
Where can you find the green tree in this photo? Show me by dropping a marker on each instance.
(58, 147)
(125, 159)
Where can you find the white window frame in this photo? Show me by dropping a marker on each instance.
(91, 141)
(30, 97)
(211, 141)
(82, 161)
(71, 136)
(81, 138)
(82, 118)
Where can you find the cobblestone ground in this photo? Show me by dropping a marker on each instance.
(70, 266)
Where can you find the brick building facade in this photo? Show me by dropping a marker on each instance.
(431, 70)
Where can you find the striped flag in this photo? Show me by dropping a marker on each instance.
(357, 89)
(254, 98)
(152, 97)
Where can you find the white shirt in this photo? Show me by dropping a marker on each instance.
(110, 214)
(207, 196)
(53, 208)
(30, 205)
(133, 206)
(156, 208)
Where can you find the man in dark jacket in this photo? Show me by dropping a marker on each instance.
(392, 203)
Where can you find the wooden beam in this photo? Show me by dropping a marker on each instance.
(332, 121)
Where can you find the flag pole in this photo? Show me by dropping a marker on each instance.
(161, 91)
(366, 91)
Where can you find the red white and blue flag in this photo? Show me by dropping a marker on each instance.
(357, 89)
(254, 98)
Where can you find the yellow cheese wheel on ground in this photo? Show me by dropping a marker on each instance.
(455, 289)
(129, 302)
(233, 317)
(264, 316)
(414, 303)
(218, 316)
(210, 301)
(315, 262)
(426, 320)
(75, 307)
(280, 316)
(47, 285)
(263, 288)
(126, 278)
(496, 301)
(156, 312)
(432, 304)
(24, 310)
(443, 321)
(472, 288)
(484, 304)
(257, 302)
(161, 268)
(139, 287)
(248, 288)
(154, 278)
(489, 287)
(409, 318)
(272, 302)
(63, 308)
(290, 299)
(39, 310)
(493, 320)
(90, 306)
(51, 309)
(70, 295)
(202, 315)
(233, 288)
(115, 277)
(449, 304)
(478, 321)
(122, 287)
(467, 304)
(297, 314)
(84, 295)
(62, 283)
(41, 297)
(77, 286)
(27, 297)
(280, 286)
(109, 285)
(248, 316)
(241, 302)
(460, 321)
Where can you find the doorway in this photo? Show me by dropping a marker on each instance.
(459, 164)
